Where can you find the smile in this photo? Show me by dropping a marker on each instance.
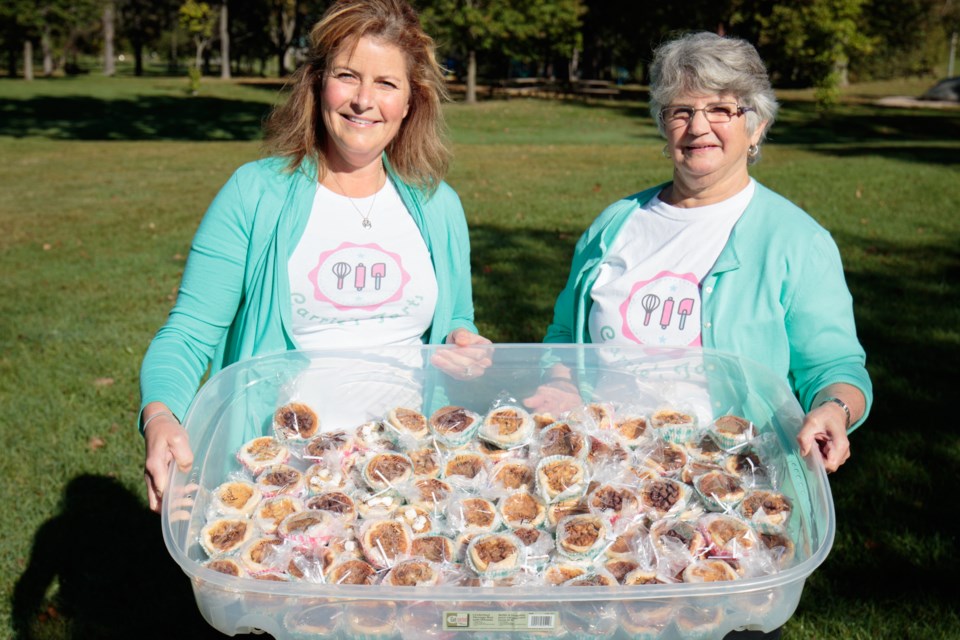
(359, 121)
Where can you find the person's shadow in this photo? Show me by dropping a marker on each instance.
(115, 576)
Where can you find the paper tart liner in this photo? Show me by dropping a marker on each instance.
(733, 431)
(673, 425)
(454, 427)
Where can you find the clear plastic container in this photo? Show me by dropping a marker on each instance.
(347, 388)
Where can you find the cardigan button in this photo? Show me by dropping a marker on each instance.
(708, 290)
(706, 325)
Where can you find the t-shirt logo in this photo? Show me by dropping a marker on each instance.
(663, 310)
(358, 276)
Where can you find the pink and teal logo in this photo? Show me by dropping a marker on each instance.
(358, 276)
(664, 310)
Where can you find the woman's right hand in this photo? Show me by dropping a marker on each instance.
(166, 442)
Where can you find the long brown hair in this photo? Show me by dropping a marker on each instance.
(419, 153)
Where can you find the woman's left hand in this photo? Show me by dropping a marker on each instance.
(469, 360)
(825, 428)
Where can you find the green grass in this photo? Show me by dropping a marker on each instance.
(105, 179)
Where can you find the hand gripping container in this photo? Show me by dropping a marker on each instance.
(347, 388)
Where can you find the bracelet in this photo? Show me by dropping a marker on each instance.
(155, 416)
(841, 404)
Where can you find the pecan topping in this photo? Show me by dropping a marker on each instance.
(522, 507)
(433, 548)
(388, 467)
(581, 533)
(452, 419)
(236, 494)
(516, 475)
(411, 574)
(228, 534)
(494, 549)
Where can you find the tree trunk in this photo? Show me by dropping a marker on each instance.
(137, 57)
(173, 65)
(224, 42)
(47, 48)
(471, 77)
(27, 60)
(109, 65)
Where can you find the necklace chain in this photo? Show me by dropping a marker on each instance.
(366, 216)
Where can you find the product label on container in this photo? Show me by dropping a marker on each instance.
(500, 620)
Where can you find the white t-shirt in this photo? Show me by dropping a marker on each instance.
(352, 286)
(647, 289)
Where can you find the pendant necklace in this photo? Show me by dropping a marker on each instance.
(366, 216)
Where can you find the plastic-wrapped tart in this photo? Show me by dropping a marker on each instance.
(433, 547)
(514, 474)
(779, 545)
(728, 536)
(699, 622)
(412, 573)
(560, 478)
(522, 509)
(582, 536)
(466, 465)
(386, 470)
(371, 435)
(426, 462)
(271, 512)
(663, 497)
(562, 571)
(766, 510)
(385, 541)
(321, 476)
(666, 458)
(281, 479)
(260, 453)
(704, 447)
(593, 578)
(260, 555)
(633, 429)
(222, 536)
(494, 555)
(236, 498)
(747, 465)
(562, 439)
(408, 423)
(640, 576)
(321, 621)
(507, 426)
(672, 534)
(431, 492)
(673, 424)
(733, 431)
(323, 443)
(709, 570)
(352, 572)
(601, 414)
(495, 454)
(308, 527)
(226, 566)
(628, 543)
(606, 449)
(337, 503)
(644, 619)
(620, 567)
(295, 421)
(557, 511)
(614, 501)
(473, 514)
(719, 491)
(454, 426)
(696, 468)
(311, 564)
(376, 505)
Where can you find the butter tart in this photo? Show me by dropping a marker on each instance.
(733, 431)
(766, 510)
(295, 421)
(454, 426)
(507, 426)
(709, 570)
(236, 498)
(386, 470)
(522, 509)
(494, 555)
(412, 573)
(352, 571)
(271, 512)
(281, 479)
(560, 478)
(582, 536)
(719, 491)
(385, 541)
(408, 423)
(222, 536)
(260, 453)
(337, 503)
(433, 547)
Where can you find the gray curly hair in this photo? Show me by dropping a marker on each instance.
(704, 62)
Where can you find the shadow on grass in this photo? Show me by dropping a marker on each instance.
(146, 118)
(116, 578)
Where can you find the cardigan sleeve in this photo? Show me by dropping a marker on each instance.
(209, 295)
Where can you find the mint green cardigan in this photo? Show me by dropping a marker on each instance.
(776, 295)
(234, 298)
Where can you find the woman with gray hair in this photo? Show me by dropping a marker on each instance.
(742, 269)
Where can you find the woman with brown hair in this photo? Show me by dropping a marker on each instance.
(346, 235)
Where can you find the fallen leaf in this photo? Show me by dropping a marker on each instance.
(103, 382)
(596, 188)
(96, 443)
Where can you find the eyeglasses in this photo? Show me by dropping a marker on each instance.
(718, 113)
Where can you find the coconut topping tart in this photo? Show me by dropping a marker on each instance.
(271, 512)
(352, 572)
(454, 426)
(494, 555)
(225, 535)
(280, 479)
(416, 517)
(260, 453)
(766, 510)
(322, 476)
(522, 509)
(733, 431)
(507, 427)
(561, 439)
(719, 491)
(560, 478)
(377, 505)
(407, 422)
(295, 421)
(236, 498)
(433, 547)
(337, 503)
(412, 573)
(387, 470)
(385, 541)
(514, 474)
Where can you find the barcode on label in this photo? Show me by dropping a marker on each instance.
(540, 621)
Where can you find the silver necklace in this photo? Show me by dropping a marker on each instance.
(366, 216)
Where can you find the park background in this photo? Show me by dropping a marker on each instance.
(109, 160)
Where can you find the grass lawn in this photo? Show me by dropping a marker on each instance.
(104, 182)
